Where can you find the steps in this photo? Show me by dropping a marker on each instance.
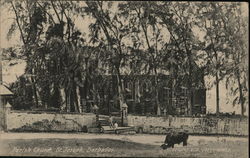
(105, 128)
(123, 130)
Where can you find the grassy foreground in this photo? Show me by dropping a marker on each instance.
(117, 148)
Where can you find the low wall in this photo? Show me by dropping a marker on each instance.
(201, 125)
(23, 121)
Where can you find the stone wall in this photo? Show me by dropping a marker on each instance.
(198, 125)
(23, 121)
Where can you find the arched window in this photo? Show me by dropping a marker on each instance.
(129, 90)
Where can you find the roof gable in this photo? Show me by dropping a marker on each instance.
(5, 91)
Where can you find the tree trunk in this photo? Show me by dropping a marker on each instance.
(46, 97)
(241, 94)
(172, 80)
(63, 99)
(190, 102)
(157, 94)
(73, 107)
(75, 98)
(85, 92)
(34, 91)
(67, 101)
(119, 86)
(217, 95)
(190, 87)
(78, 99)
(217, 85)
(119, 91)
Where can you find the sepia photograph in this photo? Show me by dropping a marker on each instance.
(124, 78)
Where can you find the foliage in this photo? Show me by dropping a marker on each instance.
(22, 94)
(225, 46)
(64, 65)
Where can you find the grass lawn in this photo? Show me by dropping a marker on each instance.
(117, 148)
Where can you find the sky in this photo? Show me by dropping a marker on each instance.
(10, 73)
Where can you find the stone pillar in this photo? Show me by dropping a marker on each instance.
(6, 111)
(95, 109)
(124, 113)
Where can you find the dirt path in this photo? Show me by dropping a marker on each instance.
(110, 145)
(138, 138)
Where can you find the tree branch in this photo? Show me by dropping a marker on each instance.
(44, 10)
(54, 8)
(18, 23)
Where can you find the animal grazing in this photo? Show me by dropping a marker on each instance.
(175, 138)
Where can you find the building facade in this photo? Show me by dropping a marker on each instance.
(143, 92)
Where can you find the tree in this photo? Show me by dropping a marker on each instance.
(111, 26)
(178, 18)
(126, 38)
(224, 45)
(236, 63)
(28, 20)
(212, 21)
(144, 25)
(41, 47)
(62, 51)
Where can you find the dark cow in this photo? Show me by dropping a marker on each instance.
(175, 138)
